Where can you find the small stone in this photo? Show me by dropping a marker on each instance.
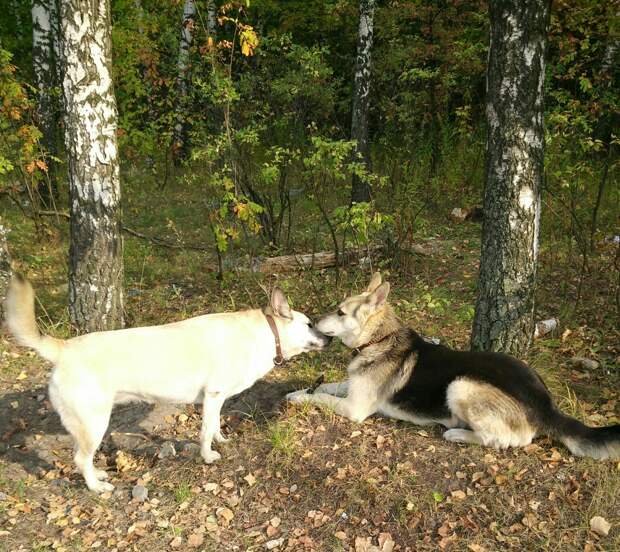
(458, 214)
(3, 496)
(276, 543)
(166, 451)
(140, 493)
(191, 449)
(600, 526)
(582, 362)
(543, 327)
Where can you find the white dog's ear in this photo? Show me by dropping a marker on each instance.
(279, 304)
(378, 297)
(375, 282)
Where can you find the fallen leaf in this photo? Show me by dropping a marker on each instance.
(225, 513)
(250, 479)
(195, 540)
(386, 543)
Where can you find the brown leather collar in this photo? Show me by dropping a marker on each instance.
(278, 359)
(359, 349)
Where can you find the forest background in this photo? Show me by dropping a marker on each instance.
(238, 149)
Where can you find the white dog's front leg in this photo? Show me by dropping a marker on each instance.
(356, 411)
(211, 406)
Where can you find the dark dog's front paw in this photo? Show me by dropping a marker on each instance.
(297, 396)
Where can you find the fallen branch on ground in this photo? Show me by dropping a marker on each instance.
(327, 259)
(282, 263)
(153, 239)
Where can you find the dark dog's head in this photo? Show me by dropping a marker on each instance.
(355, 318)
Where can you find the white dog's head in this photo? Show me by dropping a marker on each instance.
(297, 333)
(354, 320)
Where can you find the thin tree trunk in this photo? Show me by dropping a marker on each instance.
(212, 19)
(95, 255)
(503, 318)
(599, 197)
(44, 20)
(185, 43)
(5, 265)
(360, 190)
(16, 8)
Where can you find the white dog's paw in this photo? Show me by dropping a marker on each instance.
(210, 456)
(219, 438)
(101, 487)
(297, 396)
(102, 475)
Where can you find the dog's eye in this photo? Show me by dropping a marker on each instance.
(341, 312)
(310, 325)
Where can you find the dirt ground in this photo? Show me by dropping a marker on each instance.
(299, 478)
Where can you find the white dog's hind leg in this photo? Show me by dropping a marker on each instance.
(87, 423)
(212, 404)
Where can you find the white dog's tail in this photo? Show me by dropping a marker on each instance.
(20, 319)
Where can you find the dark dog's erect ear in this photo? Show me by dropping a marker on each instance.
(378, 297)
(375, 282)
(279, 304)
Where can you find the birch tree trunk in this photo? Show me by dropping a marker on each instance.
(44, 21)
(212, 19)
(503, 318)
(96, 262)
(360, 190)
(5, 266)
(185, 43)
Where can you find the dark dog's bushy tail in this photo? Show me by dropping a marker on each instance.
(596, 442)
(20, 319)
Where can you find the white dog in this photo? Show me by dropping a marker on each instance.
(204, 359)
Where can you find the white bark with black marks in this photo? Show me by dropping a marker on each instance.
(44, 61)
(5, 265)
(96, 261)
(185, 43)
(212, 19)
(503, 318)
(361, 96)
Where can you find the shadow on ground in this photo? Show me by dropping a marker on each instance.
(32, 438)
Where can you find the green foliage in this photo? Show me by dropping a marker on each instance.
(268, 115)
(20, 155)
(582, 119)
